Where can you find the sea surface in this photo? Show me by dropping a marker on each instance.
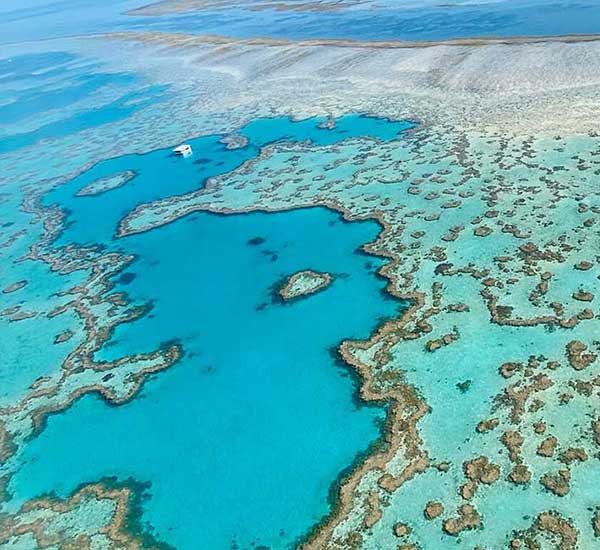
(370, 20)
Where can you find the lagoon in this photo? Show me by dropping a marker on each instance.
(242, 440)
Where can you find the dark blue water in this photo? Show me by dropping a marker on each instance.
(429, 21)
(383, 20)
(115, 111)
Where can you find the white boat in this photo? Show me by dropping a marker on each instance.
(184, 150)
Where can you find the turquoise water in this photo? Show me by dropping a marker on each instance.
(53, 95)
(113, 112)
(241, 442)
(161, 174)
(244, 437)
(35, 100)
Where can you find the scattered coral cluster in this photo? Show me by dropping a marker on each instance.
(95, 516)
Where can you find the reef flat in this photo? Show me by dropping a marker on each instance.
(95, 516)
(102, 185)
(189, 40)
(490, 233)
(523, 88)
(488, 210)
(304, 283)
